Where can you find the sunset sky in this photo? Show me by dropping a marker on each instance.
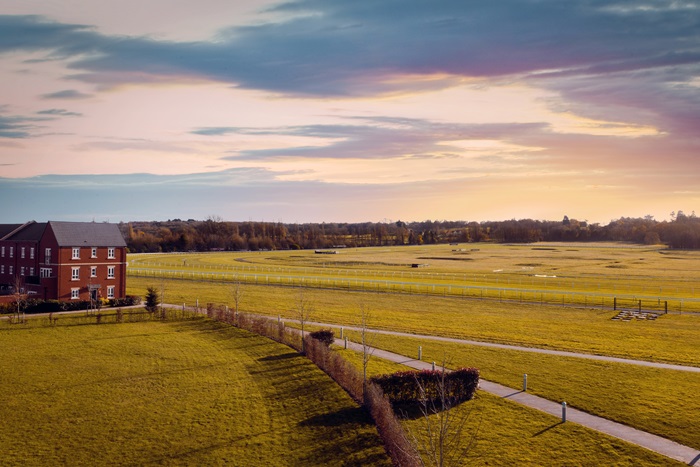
(348, 111)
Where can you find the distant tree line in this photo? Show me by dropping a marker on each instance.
(214, 234)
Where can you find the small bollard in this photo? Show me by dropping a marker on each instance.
(433, 366)
(341, 332)
(346, 342)
(420, 352)
(525, 382)
(183, 307)
(563, 412)
(279, 319)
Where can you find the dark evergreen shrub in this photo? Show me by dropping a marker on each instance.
(415, 386)
(326, 336)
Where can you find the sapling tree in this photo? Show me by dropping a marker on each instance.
(237, 296)
(152, 299)
(441, 439)
(303, 310)
(366, 340)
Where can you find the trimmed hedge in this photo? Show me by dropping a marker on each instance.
(325, 336)
(416, 386)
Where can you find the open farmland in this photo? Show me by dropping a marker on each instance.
(596, 275)
(177, 393)
(643, 398)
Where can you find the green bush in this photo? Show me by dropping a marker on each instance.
(325, 336)
(416, 386)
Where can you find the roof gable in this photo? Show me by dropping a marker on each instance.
(72, 234)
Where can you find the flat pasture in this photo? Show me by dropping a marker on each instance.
(597, 275)
(191, 392)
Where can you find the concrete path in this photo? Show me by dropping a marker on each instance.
(561, 353)
(646, 440)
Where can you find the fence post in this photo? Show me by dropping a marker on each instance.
(640, 306)
(433, 366)
(341, 332)
(346, 342)
(420, 352)
(666, 306)
(563, 412)
(614, 303)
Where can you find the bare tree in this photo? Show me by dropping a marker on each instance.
(367, 341)
(303, 309)
(441, 439)
(237, 295)
(20, 297)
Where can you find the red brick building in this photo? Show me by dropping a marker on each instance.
(63, 260)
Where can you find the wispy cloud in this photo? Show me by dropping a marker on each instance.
(59, 113)
(68, 94)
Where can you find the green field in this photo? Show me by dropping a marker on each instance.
(190, 392)
(645, 398)
(502, 432)
(597, 275)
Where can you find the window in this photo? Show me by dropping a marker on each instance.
(75, 294)
(110, 291)
(11, 270)
(93, 252)
(47, 254)
(31, 271)
(93, 271)
(76, 253)
(12, 252)
(31, 253)
(2, 251)
(2, 269)
(110, 253)
(75, 274)
(21, 271)
(22, 250)
(45, 272)
(110, 272)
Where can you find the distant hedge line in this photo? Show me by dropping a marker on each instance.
(33, 306)
(425, 385)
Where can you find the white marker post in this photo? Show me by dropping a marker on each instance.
(563, 412)
(525, 382)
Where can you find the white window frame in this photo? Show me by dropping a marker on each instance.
(12, 269)
(23, 252)
(110, 272)
(75, 273)
(12, 252)
(45, 272)
(93, 271)
(76, 253)
(110, 253)
(21, 271)
(47, 255)
(31, 271)
(110, 291)
(75, 293)
(2, 251)
(93, 252)
(2, 269)
(31, 252)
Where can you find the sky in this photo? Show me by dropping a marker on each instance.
(348, 111)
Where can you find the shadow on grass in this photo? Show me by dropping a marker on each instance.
(541, 432)
(284, 356)
(345, 416)
(415, 410)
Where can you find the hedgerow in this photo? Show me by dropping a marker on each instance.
(417, 386)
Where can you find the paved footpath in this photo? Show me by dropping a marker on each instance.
(649, 441)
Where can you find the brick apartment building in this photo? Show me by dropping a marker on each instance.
(63, 260)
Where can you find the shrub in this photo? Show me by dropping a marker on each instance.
(152, 299)
(416, 386)
(325, 336)
(129, 300)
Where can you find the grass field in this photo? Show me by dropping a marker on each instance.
(506, 433)
(582, 274)
(176, 393)
(645, 398)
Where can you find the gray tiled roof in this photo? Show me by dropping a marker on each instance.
(31, 232)
(87, 234)
(7, 228)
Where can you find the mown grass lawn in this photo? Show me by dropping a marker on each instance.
(502, 432)
(189, 392)
(663, 402)
(671, 338)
